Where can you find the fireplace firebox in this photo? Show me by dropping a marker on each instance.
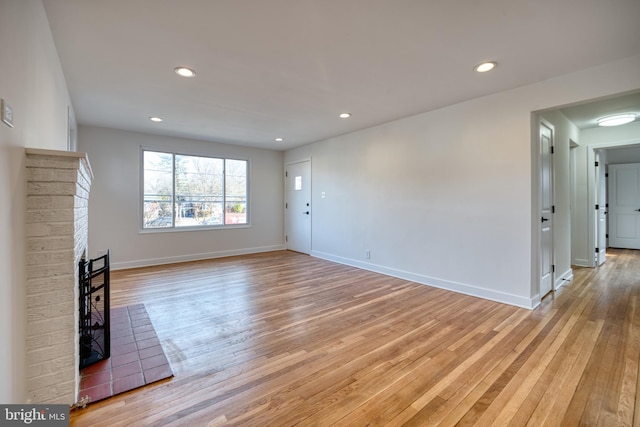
(95, 340)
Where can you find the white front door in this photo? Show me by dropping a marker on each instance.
(298, 207)
(546, 209)
(624, 206)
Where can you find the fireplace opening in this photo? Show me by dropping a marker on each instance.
(95, 340)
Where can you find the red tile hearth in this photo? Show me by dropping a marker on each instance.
(137, 358)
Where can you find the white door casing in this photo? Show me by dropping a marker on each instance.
(546, 208)
(601, 206)
(624, 206)
(298, 206)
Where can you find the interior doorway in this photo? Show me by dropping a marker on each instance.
(578, 229)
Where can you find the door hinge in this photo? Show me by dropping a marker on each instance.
(606, 235)
(597, 250)
(286, 205)
(597, 207)
(597, 164)
(553, 268)
(552, 149)
(606, 175)
(553, 209)
(286, 174)
(286, 238)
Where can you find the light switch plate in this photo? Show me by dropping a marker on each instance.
(7, 113)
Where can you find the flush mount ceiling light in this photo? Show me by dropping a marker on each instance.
(616, 120)
(155, 119)
(484, 67)
(184, 72)
(344, 115)
(279, 139)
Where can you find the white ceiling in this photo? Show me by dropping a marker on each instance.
(586, 115)
(286, 68)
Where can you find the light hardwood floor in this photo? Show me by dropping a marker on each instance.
(281, 339)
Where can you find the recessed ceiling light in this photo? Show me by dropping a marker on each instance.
(484, 67)
(344, 115)
(279, 139)
(155, 119)
(184, 72)
(616, 120)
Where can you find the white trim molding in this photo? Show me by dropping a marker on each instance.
(193, 257)
(563, 279)
(462, 288)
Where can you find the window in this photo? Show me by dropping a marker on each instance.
(192, 191)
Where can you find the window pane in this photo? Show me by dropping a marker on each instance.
(199, 197)
(158, 188)
(236, 192)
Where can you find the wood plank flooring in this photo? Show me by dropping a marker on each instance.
(284, 339)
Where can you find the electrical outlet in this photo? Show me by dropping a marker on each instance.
(367, 254)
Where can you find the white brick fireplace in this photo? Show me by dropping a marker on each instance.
(57, 228)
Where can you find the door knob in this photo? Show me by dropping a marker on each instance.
(638, 210)
(306, 213)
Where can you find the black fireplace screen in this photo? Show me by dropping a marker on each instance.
(95, 340)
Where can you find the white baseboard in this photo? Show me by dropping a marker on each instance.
(192, 257)
(461, 288)
(581, 263)
(563, 279)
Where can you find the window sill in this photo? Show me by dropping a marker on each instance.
(189, 229)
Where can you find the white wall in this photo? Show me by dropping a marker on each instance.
(627, 154)
(447, 197)
(33, 84)
(114, 205)
(623, 155)
(617, 136)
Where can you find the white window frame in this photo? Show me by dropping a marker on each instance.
(173, 228)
